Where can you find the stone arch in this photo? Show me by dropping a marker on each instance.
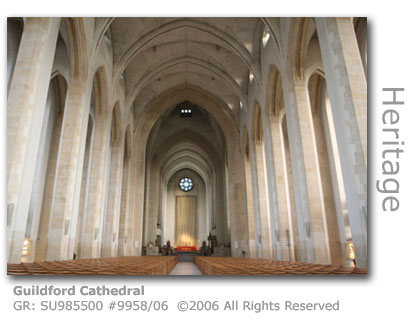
(196, 160)
(273, 26)
(220, 112)
(285, 193)
(189, 135)
(333, 193)
(315, 84)
(62, 88)
(102, 26)
(313, 60)
(99, 171)
(184, 146)
(222, 115)
(301, 32)
(154, 73)
(193, 231)
(61, 64)
(196, 78)
(77, 48)
(54, 122)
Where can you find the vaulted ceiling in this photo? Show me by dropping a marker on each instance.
(153, 55)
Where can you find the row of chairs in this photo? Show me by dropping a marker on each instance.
(147, 265)
(248, 266)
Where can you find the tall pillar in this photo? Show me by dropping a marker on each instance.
(136, 205)
(281, 189)
(319, 122)
(250, 206)
(129, 243)
(67, 186)
(25, 111)
(124, 213)
(221, 217)
(289, 185)
(277, 227)
(86, 168)
(265, 218)
(152, 191)
(41, 243)
(110, 239)
(237, 203)
(347, 90)
(256, 202)
(310, 207)
(97, 189)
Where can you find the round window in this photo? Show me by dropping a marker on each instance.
(186, 184)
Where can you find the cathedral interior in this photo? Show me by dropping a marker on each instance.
(187, 137)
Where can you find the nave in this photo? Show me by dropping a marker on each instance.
(135, 139)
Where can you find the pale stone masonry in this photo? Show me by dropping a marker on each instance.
(276, 144)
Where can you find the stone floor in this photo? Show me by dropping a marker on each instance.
(185, 269)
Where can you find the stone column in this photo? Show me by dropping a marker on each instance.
(347, 90)
(41, 244)
(97, 188)
(110, 239)
(265, 217)
(150, 202)
(308, 191)
(86, 168)
(124, 218)
(236, 189)
(127, 202)
(129, 215)
(289, 185)
(281, 189)
(67, 186)
(250, 208)
(327, 187)
(137, 192)
(221, 216)
(132, 246)
(256, 201)
(25, 110)
(276, 226)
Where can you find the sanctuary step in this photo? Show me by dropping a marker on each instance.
(248, 266)
(185, 256)
(107, 266)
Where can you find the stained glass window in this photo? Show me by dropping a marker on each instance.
(186, 184)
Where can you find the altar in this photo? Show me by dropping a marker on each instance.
(186, 253)
(186, 248)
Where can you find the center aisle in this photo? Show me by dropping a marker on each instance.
(185, 269)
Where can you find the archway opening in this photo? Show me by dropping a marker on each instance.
(185, 197)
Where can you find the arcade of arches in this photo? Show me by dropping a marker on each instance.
(126, 133)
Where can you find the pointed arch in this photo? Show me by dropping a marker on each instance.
(77, 48)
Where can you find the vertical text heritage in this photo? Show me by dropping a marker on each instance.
(392, 148)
